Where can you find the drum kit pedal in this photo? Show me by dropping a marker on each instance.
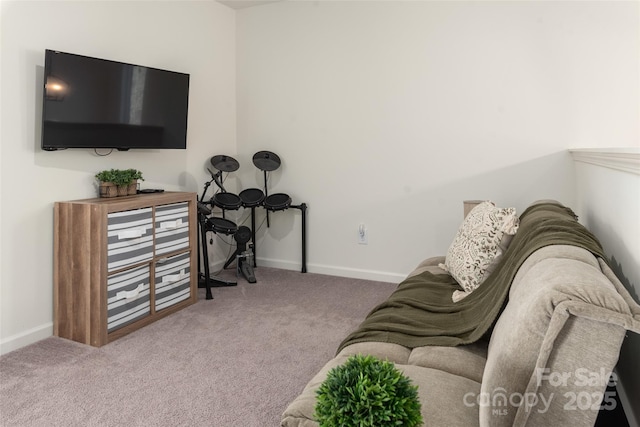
(250, 198)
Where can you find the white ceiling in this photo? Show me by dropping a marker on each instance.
(242, 4)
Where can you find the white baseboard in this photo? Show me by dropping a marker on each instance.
(627, 406)
(25, 338)
(354, 273)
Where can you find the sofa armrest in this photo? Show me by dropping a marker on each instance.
(558, 338)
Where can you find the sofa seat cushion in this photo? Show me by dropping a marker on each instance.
(395, 353)
(437, 388)
(465, 360)
(446, 399)
(299, 413)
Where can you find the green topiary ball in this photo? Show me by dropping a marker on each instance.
(367, 392)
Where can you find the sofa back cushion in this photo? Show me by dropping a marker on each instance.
(558, 329)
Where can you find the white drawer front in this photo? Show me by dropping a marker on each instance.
(172, 228)
(130, 238)
(172, 280)
(128, 297)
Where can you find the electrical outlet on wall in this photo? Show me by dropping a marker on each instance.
(363, 235)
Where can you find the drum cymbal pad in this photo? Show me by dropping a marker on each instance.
(225, 163)
(266, 161)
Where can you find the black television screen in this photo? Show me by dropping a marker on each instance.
(97, 103)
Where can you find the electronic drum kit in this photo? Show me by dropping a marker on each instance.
(250, 198)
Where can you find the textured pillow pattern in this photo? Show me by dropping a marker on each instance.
(477, 245)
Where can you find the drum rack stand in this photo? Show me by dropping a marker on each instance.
(267, 161)
(303, 209)
(205, 280)
(245, 259)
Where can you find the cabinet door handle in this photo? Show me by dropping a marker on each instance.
(171, 225)
(130, 294)
(173, 277)
(131, 234)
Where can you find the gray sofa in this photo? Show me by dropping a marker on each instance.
(546, 361)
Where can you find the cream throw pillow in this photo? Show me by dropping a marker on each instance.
(478, 245)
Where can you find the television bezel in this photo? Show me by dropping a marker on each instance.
(47, 146)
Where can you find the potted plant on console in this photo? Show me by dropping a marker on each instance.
(117, 182)
(132, 177)
(108, 186)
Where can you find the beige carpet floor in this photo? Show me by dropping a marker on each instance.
(236, 360)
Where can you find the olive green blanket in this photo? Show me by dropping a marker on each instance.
(420, 311)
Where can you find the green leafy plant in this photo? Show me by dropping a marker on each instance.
(120, 177)
(132, 175)
(367, 392)
(107, 175)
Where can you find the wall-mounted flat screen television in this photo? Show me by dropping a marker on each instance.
(97, 103)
